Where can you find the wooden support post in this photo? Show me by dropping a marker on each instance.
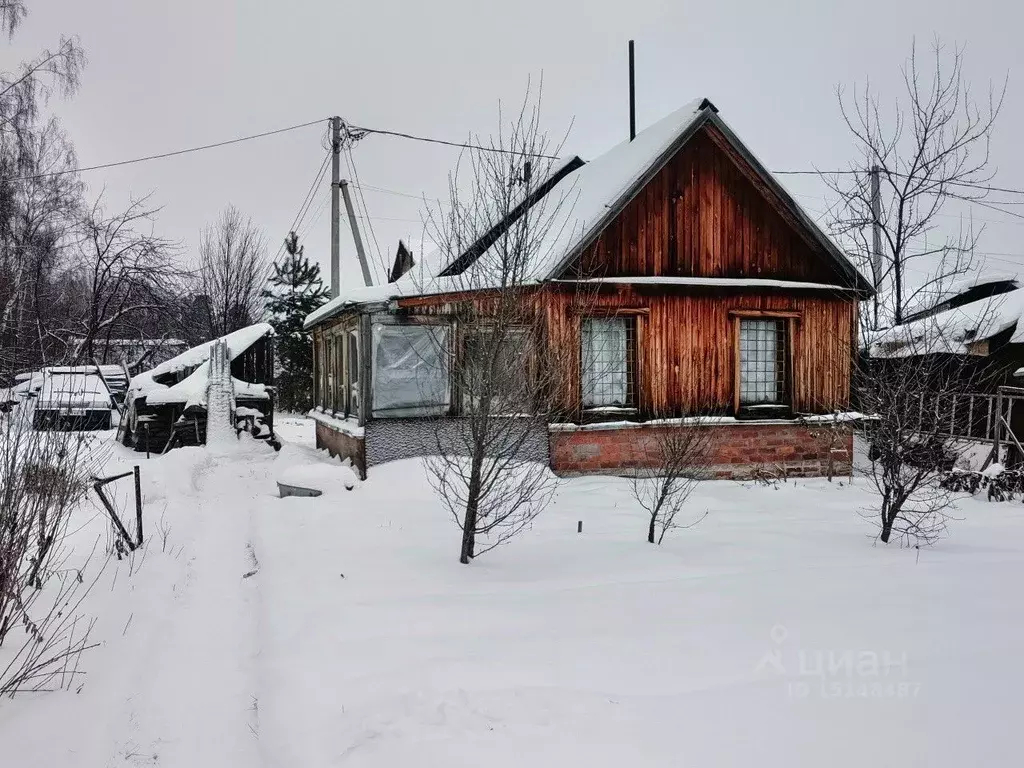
(138, 507)
(998, 425)
(579, 526)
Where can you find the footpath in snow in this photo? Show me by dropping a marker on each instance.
(342, 631)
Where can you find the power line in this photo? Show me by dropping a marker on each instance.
(982, 187)
(306, 202)
(356, 130)
(361, 200)
(162, 155)
(371, 188)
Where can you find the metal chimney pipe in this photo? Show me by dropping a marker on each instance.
(632, 95)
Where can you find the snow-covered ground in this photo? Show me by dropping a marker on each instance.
(341, 630)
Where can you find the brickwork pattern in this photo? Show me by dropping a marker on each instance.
(739, 451)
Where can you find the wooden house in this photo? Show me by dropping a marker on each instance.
(708, 291)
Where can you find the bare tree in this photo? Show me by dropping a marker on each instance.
(37, 208)
(671, 459)
(125, 271)
(931, 151)
(489, 468)
(233, 269)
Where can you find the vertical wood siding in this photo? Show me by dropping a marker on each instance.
(705, 215)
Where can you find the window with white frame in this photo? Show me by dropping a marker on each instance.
(763, 361)
(410, 370)
(607, 356)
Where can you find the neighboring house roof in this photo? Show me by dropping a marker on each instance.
(959, 292)
(590, 196)
(237, 343)
(957, 330)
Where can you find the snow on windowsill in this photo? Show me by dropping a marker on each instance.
(346, 426)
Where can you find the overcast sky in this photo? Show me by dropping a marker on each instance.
(167, 75)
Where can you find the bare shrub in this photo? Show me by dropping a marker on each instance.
(680, 456)
(42, 479)
(912, 448)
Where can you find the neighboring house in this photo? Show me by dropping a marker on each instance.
(710, 292)
(977, 327)
(170, 400)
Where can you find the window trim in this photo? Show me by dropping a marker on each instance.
(792, 319)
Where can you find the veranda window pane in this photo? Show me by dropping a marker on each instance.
(510, 378)
(410, 371)
(605, 359)
(763, 357)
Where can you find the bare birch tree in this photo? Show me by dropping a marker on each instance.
(931, 151)
(233, 269)
(489, 469)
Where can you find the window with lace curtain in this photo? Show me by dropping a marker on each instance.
(763, 362)
(608, 352)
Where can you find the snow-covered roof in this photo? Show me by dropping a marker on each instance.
(926, 302)
(192, 390)
(587, 198)
(73, 390)
(237, 343)
(953, 331)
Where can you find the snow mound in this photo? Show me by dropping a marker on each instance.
(329, 478)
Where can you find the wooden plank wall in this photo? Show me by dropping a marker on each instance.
(703, 215)
(687, 355)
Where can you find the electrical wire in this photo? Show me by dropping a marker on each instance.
(162, 155)
(360, 199)
(968, 185)
(306, 201)
(357, 130)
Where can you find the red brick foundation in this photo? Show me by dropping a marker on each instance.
(740, 450)
(342, 445)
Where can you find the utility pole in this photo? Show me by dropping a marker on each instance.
(335, 207)
(367, 279)
(876, 236)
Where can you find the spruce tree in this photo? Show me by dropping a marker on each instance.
(295, 289)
